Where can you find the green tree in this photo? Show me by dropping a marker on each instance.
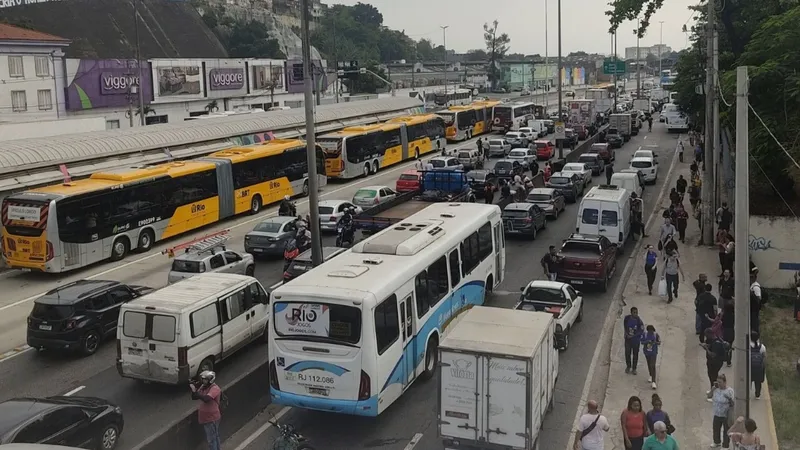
(477, 55)
(497, 46)
(366, 83)
(251, 40)
(367, 14)
(425, 50)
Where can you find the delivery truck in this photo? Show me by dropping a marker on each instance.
(498, 374)
(622, 123)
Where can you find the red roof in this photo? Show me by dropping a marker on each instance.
(12, 33)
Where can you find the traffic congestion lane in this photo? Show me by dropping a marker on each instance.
(415, 412)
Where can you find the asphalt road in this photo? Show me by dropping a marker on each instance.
(413, 417)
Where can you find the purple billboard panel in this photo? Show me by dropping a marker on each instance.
(226, 79)
(294, 75)
(106, 83)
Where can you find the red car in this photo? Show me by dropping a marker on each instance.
(587, 259)
(408, 181)
(544, 149)
(581, 130)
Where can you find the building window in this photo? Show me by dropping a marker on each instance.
(152, 120)
(45, 99)
(19, 102)
(42, 66)
(15, 67)
(112, 124)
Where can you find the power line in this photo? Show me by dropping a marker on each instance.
(773, 186)
(773, 135)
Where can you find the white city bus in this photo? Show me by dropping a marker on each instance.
(512, 116)
(351, 335)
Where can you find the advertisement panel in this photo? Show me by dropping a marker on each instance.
(179, 80)
(266, 76)
(225, 78)
(105, 83)
(294, 75)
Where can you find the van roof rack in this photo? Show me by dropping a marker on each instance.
(207, 243)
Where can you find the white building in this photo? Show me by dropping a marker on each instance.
(31, 75)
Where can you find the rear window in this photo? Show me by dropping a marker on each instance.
(515, 214)
(518, 154)
(157, 327)
(438, 162)
(495, 142)
(588, 159)
(589, 216)
(183, 266)
(597, 148)
(366, 193)
(274, 227)
(299, 267)
(318, 320)
(52, 312)
(641, 164)
(409, 177)
(585, 247)
(538, 198)
(326, 210)
(541, 145)
(559, 180)
(574, 168)
(463, 155)
(608, 218)
(502, 165)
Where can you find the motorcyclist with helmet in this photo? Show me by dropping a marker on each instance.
(286, 207)
(303, 236)
(346, 228)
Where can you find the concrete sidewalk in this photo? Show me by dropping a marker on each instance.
(681, 369)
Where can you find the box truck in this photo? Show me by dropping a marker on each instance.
(622, 123)
(498, 374)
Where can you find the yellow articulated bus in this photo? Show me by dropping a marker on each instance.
(357, 151)
(464, 122)
(71, 225)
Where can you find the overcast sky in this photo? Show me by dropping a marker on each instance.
(585, 27)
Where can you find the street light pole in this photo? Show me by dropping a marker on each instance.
(311, 157)
(546, 62)
(444, 44)
(660, 48)
(614, 52)
(138, 60)
(638, 68)
(560, 93)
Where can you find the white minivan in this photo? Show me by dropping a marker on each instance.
(606, 211)
(629, 180)
(171, 335)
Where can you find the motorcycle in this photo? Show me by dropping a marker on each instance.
(288, 438)
(345, 236)
(290, 211)
(290, 253)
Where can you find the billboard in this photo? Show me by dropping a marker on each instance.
(184, 80)
(225, 77)
(105, 83)
(294, 75)
(266, 75)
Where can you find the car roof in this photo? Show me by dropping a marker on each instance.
(518, 206)
(338, 202)
(183, 295)
(561, 174)
(443, 158)
(74, 292)
(512, 132)
(600, 144)
(541, 191)
(642, 158)
(593, 155)
(496, 140)
(582, 166)
(483, 172)
(199, 256)
(506, 160)
(542, 141)
(524, 149)
(547, 284)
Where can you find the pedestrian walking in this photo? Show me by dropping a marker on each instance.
(743, 435)
(681, 221)
(633, 329)
(550, 262)
(488, 193)
(671, 271)
(674, 197)
(609, 173)
(666, 232)
(698, 153)
(651, 341)
(419, 165)
(758, 362)
(728, 327)
(592, 427)
(650, 267)
(480, 146)
(681, 184)
(699, 286)
(722, 245)
(716, 351)
(706, 311)
(724, 217)
(730, 253)
(725, 286)
(757, 300)
(722, 399)
(209, 411)
(657, 414)
(634, 424)
(680, 151)
(660, 439)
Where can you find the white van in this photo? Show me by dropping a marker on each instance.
(171, 335)
(629, 180)
(606, 211)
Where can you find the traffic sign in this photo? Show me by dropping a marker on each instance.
(560, 130)
(612, 67)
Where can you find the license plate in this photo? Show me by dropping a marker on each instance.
(576, 282)
(46, 327)
(258, 250)
(135, 351)
(318, 391)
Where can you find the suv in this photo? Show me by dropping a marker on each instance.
(614, 139)
(191, 263)
(508, 168)
(79, 315)
(587, 259)
(445, 163)
(523, 218)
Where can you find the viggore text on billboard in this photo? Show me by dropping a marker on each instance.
(226, 79)
(106, 83)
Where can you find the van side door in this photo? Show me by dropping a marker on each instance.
(235, 322)
(258, 299)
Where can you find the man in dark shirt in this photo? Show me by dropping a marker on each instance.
(699, 286)
(728, 324)
(726, 286)
(706, 310)
(633, 329)
(716, 353)
(550, 262)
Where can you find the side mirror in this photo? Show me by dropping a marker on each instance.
(522, 289)
(265, 298)
(580, 294)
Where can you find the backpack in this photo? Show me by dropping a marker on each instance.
(223, 401)
(756, 357)
(764, 296)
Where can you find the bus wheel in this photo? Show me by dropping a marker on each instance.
(120, 248)
(255, 204)
(145, 241)
(305, 189)
(469, 134)
(375, 167)
(366, 169)
(416, 153)
(431, 358)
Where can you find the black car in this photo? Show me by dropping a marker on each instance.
(506, 168)
(524, 219)
(303, 263)
(78, 316)
(571, 186)
(614, 139)
(478, 178)
(82, 422)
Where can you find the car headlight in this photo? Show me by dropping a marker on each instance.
(118, 410)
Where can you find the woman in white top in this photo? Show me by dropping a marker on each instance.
(743, 435)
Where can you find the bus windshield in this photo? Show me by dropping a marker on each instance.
(448, 116)
(331, 147)
(503, 113)
(318, 320)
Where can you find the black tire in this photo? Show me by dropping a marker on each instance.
(375, 167)
(120, 248)
(146, 239)
(604, 287)
(250, 270)
(90, 342)
(109, 437)
(206, 364)
(580, 315)
(306, 190)
(416, 153)
(566, 340)
(555, 216)
(533, 235)
(255, 205)
(544, 224)
(367, 169)
(431, 359)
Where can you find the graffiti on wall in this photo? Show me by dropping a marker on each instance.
(759, 243)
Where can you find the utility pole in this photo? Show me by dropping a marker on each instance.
(336, 65)
(560, 92)
(716, 156)
(616, 74)
(546, 62)
(660, 48)
(741, 362)
(638, 67)
(138, 60)
(708, 174)
(444, 44)
(311, 154)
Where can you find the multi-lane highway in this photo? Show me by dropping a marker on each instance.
(148, 408)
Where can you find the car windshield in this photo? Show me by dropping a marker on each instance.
(544, 295)
(326, 210)
(463, 155)
(274, 227)
(495, 142)
(185, 266)
(51, 312)
(641, 164)
(409, 177)
(573, 168)
(538, 198)
(541, 145)
(517, 154)
(438, 162)
(505, 165)
(559, 180)
(641, 154)
(366, 193)
(587, 159)
(597, 148)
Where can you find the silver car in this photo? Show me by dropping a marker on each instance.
(581, 169)
(331, 211)
(516, 139)
(525, 156)
(270, 236)
(499, 147)
(218, 259)
(446, 163)
(370, 196)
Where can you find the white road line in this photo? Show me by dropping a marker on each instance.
(75, 391)
(414, 441)
(261, 430)
(11, 354)
(237, 225)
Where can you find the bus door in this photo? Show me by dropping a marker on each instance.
(404, 142)
(499, 253)
(407, 332)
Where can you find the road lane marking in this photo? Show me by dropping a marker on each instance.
(414, 441)
(238, 225)
(75, 391)
(275, 286)
(261, 430)
(13, 353)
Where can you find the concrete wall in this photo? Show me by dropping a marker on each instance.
(774, 249)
